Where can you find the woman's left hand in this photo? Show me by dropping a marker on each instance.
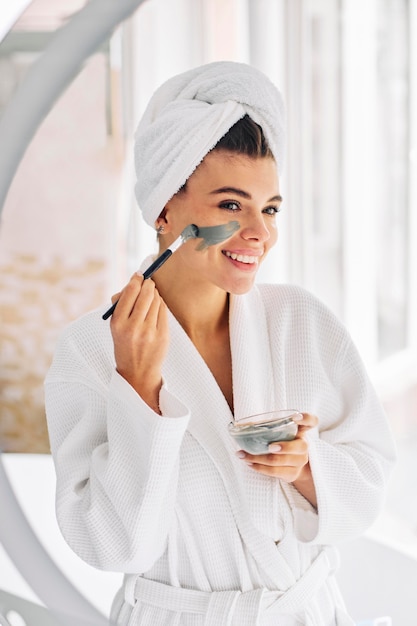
(287, 460)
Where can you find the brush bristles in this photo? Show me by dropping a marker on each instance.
(191, 232)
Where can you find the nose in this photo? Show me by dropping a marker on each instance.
(254, 228)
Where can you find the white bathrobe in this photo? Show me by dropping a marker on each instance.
(201, 537)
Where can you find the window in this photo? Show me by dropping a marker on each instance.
(351, 84)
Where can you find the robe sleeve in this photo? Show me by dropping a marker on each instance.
(116, 461)
(350, 458)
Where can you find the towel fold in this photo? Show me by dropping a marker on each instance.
(188, 115)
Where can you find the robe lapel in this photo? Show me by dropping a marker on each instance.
(253, 382)
(188, 377)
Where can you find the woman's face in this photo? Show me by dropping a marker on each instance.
(227, 187)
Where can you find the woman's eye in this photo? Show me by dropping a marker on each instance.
(230, 205)
(272, 210)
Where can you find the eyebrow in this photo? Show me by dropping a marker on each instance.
(242, 193)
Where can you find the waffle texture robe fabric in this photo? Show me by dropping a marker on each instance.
(164, 498)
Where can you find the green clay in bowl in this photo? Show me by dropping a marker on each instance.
(255, 433)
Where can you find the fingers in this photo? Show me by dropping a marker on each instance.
(162, 320)
(115, 297)
(281, 453)
(287, 473)
(139, 300)
(140, 332)
(285, 459)
(308, 422)
(128, 297)
(284, 464)
(128, 290)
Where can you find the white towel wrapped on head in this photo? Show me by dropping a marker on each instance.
(188, 115)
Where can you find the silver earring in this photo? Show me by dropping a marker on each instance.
(160, 229)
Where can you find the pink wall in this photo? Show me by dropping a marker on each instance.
(55, 242)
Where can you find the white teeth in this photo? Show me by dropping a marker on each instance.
(243, 258)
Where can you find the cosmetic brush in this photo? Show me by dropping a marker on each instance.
(210, 235)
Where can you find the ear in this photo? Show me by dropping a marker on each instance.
(161, 222)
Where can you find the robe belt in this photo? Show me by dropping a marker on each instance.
(237, 608)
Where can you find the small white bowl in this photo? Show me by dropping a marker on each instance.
(255, 432)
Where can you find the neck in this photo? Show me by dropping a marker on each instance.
(200, 309)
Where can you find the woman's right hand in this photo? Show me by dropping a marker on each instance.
(139, 326)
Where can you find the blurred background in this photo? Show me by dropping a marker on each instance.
(71, 233)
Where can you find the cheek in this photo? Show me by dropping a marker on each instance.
(273, 231)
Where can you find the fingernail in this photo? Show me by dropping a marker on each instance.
(241, 454)
(297, 417)
(274, 447)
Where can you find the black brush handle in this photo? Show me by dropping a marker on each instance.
(157, 263)
(109, 311)
(146, 274)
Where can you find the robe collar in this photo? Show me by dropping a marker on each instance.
(252, 371)
(188, 377)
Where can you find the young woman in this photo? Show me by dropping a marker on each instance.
(149, 481)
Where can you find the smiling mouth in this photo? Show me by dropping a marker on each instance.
(242, 258)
